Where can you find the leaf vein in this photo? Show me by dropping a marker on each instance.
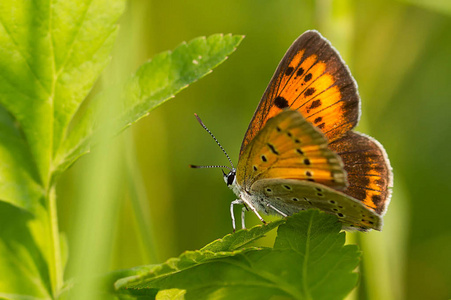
(27, 63)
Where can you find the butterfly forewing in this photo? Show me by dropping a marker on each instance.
(289, 147)
(291, 196)
(368, 169)
(312, 79)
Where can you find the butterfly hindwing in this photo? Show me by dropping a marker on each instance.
(289, 147)
(312, 79)
(290, 196)
(368, 168)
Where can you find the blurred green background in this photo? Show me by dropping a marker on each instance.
(400, 55)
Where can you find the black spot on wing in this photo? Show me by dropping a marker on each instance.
(315, 104)
(280, 102)
(273, 149)
(309, 92)
(288, 71)
(300, 72)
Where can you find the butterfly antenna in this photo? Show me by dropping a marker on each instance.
(217, 142)
(206, 167)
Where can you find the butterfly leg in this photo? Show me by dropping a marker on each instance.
(243, 211)
(237, 201)
(278, 211)
(256, 213)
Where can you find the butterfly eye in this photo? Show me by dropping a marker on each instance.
(230, 178)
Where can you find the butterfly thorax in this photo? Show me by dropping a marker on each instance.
(254, 202)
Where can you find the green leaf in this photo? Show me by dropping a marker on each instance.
(326, 265)
(23, 258)
(170, 72)
(171, 294)
(308, 261)
(154, 83)
(19, 180)
(51, 53)
(241, 238)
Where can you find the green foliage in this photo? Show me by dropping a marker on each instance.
(154, 83)
(51, 54)
(308, 261)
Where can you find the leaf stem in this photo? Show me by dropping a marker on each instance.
(56, 266)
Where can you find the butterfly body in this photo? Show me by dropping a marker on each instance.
(300, 152)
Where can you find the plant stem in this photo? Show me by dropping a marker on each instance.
(56, 266)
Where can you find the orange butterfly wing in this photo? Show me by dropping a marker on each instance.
(312, 79)
(289, 147)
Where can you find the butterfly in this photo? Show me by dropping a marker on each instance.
(300, 152)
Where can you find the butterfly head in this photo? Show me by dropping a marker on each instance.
(230, 180)
(230, 177)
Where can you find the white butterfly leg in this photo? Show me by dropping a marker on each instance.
(237, 201)
(243, 211)
(256, 213)
(278, 211)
